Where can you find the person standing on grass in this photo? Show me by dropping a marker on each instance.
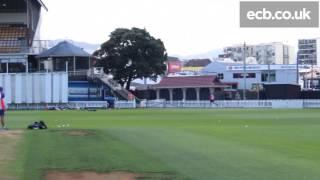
(2, 109)
(211, 98)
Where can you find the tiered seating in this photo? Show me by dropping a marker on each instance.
(12, 38)
(12, 32)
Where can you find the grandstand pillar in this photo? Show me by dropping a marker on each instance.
(74, 64)
(67, 66)
(89, 63)
(158, 93)
(211, 90)
(184, 94)
(27, 66)
(170, 94)
(198, 94)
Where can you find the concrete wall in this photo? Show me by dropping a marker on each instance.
(286, 76)
(292, 55)
(278, 50)
(35, 88)
(282, 50)
(265, 104)
(13, 18)
(228, 77)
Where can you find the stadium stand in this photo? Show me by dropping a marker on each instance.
(13, 39)
(19, 30)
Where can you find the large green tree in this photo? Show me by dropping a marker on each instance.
(130, 54)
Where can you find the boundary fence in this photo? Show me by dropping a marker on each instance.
(102, 104)
(265, 104)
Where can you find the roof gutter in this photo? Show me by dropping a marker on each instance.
(179, 87)
(43, 5)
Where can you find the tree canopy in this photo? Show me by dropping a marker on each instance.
(130, 54)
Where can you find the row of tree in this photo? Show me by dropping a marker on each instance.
(130, 54)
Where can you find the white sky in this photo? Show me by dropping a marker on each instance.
(186, 26)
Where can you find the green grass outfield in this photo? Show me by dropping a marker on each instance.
(173, 144)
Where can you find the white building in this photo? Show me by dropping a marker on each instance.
(309, 51)
(268, 53)
(236, 52)
(256, 74)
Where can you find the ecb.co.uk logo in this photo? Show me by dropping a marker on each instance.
(279, 14)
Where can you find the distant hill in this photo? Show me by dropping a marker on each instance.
(206, 55)
(171, 58)
(90, 48)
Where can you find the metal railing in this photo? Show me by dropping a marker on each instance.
(102, 104)
(21, 46)
(250, 104)
(110, 82)
(98, 72)
(38, 46)
(78, 73)
(274, 104)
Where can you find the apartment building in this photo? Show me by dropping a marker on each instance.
(309, 51)
(267, 53)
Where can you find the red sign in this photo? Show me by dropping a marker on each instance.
(174, 66)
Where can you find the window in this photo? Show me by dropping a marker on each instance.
(251, 75)
(264, 76)
(234, 86)
(256, 87)
(240, 75)
(220, 76)
(237, 75)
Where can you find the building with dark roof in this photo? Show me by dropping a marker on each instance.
(66, 57)
(189, 87)
(197, 63)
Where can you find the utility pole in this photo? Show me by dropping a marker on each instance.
(311, 82)
(267, 53)
(269, 74)
(28, 14)
(297, 71)
(244, 71)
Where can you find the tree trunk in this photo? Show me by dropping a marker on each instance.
(128, 83)
(121, 83)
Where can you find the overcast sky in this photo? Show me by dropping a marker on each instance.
(186, 26)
